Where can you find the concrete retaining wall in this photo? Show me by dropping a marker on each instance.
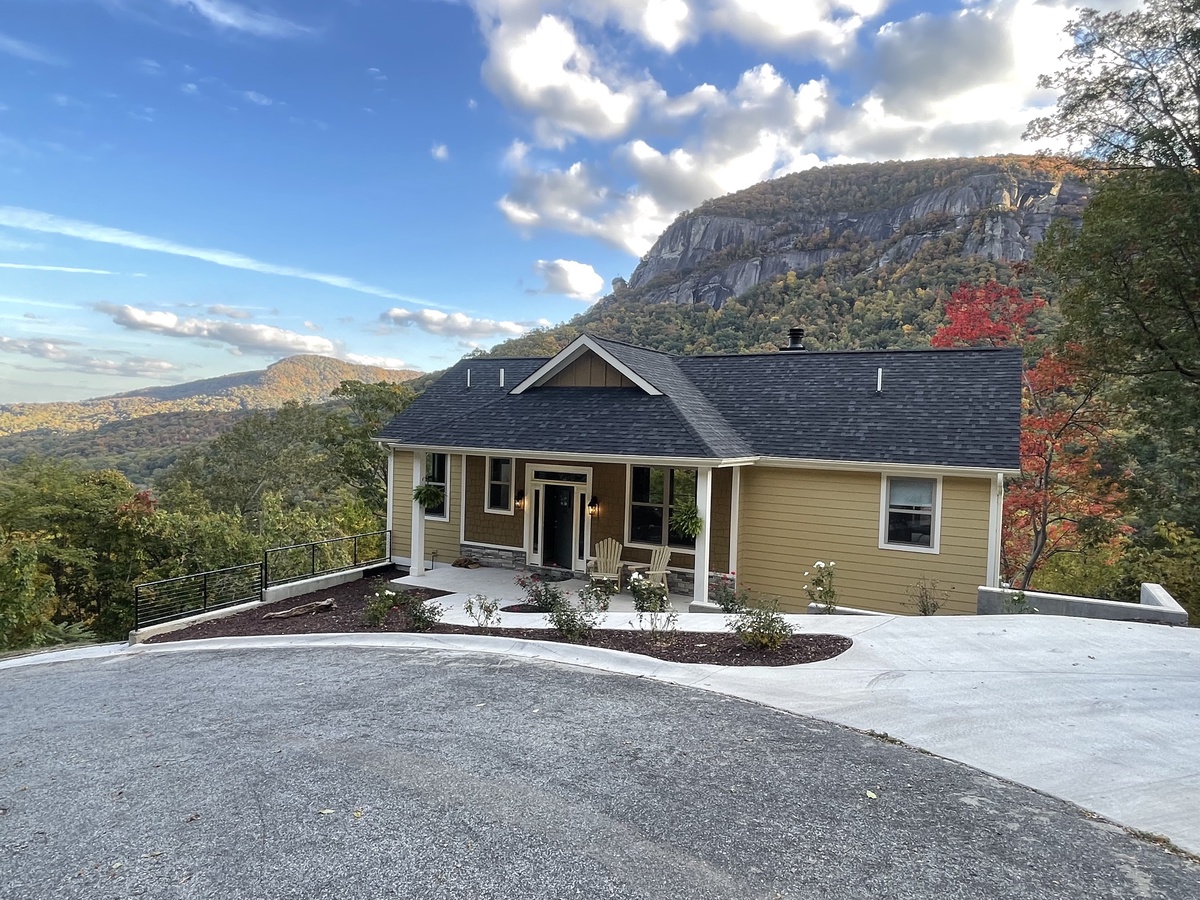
(1157, 605)
(270, 595)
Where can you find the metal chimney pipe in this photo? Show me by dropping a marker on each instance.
(795, 338)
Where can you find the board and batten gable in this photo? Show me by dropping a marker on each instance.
(792, 517)
(589, 370)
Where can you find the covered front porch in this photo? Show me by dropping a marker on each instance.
(549, 513)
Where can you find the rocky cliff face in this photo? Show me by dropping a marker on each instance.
(708, 259)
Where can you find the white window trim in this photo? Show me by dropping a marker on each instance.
(629, 541)
(487, 485)
(935, 542)
(445, 488)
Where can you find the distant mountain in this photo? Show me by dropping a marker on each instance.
(300, 379)
(861, 255)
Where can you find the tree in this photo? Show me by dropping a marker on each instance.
(1130, 90)
(360, 459)
(1063, 500)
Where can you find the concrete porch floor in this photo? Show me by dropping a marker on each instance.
(500, 584)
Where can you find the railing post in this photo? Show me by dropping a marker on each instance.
(137, 602)
(312, 567)
(204, 592)
(262, 579)
(266, 572)
(356, 550)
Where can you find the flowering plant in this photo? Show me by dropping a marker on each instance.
(648, 596)
(821, 589)
(540, 593)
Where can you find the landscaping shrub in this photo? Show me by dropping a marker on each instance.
(821, 589)
(761, 627)
(545, 595)
(483, 610)
(926, 596)
(648, 596)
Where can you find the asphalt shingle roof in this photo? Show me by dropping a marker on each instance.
(937, 408)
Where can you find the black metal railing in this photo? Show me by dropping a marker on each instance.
(156, 602)
(282, 565)
(176, 598)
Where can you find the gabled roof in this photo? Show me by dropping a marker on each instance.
(956, 408)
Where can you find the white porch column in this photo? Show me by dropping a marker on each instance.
(735, 513)
(417, 552)
(704, 507)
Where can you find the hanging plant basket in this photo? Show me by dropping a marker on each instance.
(685, 520)
(428, 495)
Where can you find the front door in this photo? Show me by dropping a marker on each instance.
(558, 526)
(558, 530)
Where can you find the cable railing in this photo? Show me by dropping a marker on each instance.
(156, 602)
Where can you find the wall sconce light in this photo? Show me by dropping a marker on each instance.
(594, 506)
(521, 500)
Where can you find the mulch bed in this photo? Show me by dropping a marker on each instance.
(689, 647)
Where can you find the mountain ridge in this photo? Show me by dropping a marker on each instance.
(302, 379)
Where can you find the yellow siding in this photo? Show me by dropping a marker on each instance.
(793, 517)
(441, 537)
(589, 370)
(402, 487)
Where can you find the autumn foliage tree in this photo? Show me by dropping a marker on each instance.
(1063, 500)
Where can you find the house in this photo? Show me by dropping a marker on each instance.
(890, 463)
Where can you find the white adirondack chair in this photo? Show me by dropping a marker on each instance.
(657, 573)
(606, 566)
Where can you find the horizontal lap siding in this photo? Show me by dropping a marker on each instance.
(402, 488)
(792, 517)
(439, 536)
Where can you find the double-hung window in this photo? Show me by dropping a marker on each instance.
(499, 485)
(654, 492)
(910, 513)
(437, 474)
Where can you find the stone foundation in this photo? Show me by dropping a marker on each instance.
(494, 558)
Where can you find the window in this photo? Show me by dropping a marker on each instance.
(437, 467)
(910, 519)
(499, 485)
(654, 492)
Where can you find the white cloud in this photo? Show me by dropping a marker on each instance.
(543, 69)
(440, 152)
(238, 17)
(25, 50)
(256, 98)
(56, 269)
(452, 324)
(231, 312)
(14, 246)
(190, 89)
(243, 338)
(576, 280)
(32, 220)
(822, 27)
(756, 131)
(472, 103)
(382, 362)
(376, 74)
(312, 326)
(148, 66)
(65, 354)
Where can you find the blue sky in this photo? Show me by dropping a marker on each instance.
(194, 187)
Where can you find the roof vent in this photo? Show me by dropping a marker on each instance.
(795, 338)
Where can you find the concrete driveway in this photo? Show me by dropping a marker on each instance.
(356, 771)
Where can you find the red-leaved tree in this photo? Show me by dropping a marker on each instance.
(1063, 500)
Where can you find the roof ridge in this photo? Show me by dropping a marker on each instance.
(607, 340)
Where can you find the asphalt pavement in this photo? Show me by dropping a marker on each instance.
(372, 772)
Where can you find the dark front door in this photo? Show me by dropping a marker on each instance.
(557, 527)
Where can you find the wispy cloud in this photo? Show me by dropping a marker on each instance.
(236, 17)
(376, 74)
(25, 301)
(232, 312)
(440, 152)
(190, 88)
(57, 269)
(452, 324)
(32, 220)
(26, 50)
(65, 354)
(241, 337)
(257, 98)
(148, 66)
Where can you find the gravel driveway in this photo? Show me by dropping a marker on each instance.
(372, 773)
